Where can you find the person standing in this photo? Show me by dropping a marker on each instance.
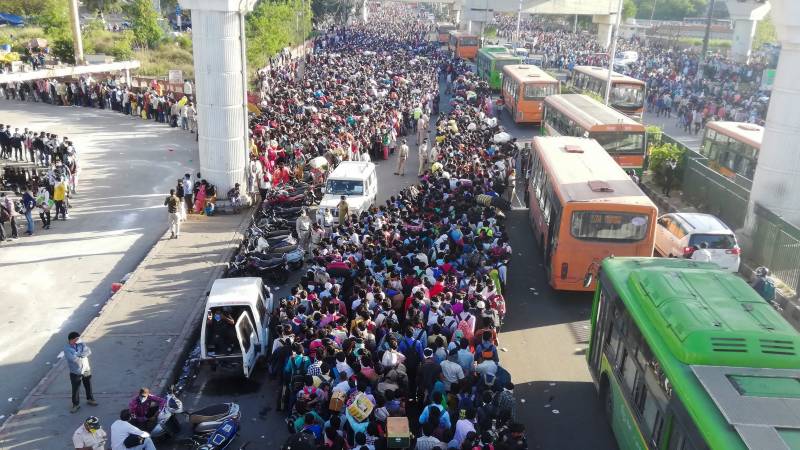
(7, 214)
(28, 204)
(303, 225)
(511, 185)
(77, 355)
(90, 435)
(423, 156)
(173, 203)
(59, 196)
(401, 159)
(43, 200)
(344, 209)
(669, 175)
(187, 192)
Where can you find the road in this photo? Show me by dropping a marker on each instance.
(56, 281)
(545, 337)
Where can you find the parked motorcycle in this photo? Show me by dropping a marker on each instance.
(202, 421)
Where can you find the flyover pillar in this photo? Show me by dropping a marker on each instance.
(605, 24)
(221, 95)
(743, 33)
(777, 177)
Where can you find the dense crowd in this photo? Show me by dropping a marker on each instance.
(721, 90)
(398, 314)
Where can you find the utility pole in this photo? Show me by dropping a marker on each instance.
(613, 50)
(519, 19)
(77, 40)
(706, 36)
(653, 11)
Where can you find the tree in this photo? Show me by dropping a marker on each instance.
(336, 11)
(671, 9)
(54, 19)
(144, 23)
(628, 9)
(25, 7)
(765, 33)
(103, 6)
(273, 25)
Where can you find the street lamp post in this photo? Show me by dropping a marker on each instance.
(613, 50)
(707, 35)
(519, 20)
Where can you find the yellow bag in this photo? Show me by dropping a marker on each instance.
(360, 408)
(337, 401)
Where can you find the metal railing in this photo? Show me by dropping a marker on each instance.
(713, 192)
(775, 244)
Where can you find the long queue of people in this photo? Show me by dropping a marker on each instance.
(398, 313)
(677, 86)
(46, 189)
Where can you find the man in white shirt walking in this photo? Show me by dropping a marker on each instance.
(122, 429)
(401, 159)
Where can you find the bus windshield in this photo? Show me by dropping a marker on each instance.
(609, 226)
(539, 91)
(344, 187)
(468, 41)
(627, 96)
(618, 142)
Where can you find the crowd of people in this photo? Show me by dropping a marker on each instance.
(46, 189)
(676, 84)
(152, 102)
(399, 311)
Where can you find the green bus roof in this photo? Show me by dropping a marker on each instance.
(730, 357)
(493, 49)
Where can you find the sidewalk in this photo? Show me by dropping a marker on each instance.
(139, 337)
(674, 203)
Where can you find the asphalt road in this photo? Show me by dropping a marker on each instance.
(545, 338)
(56, 281)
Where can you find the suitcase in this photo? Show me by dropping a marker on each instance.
(385, 152)
(398, 434)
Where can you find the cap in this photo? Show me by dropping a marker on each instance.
(428, 352)
(481, 304)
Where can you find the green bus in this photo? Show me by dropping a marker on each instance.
(686, 356)
(489, 65)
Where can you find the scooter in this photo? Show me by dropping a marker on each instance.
(275, 270)
(203, 421)
(223, 436)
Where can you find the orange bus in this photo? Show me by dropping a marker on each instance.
(584, 208)
(464, 45)
(732, 148)
(443, 29)
(581, 116)
(524, 87)
(627, 93)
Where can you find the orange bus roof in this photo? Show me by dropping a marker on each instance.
(601, 73)
(749, 133)
(589, 113)
(528, 72)
(578, 168)
(457, 33)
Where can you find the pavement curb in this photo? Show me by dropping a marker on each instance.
(174, 360)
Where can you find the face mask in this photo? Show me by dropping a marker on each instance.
(142, 399)
(217, 317)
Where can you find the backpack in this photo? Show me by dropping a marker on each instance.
(298, 379)
(465, 328)
(300, 440)
(486, 350)
(412, 356)
(768, 289)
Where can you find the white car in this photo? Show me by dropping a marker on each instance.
(357, 181)
(678, 235)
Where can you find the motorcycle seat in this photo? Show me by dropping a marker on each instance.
(210, 413)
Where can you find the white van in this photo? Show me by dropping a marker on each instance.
(236, 323)
(357, 181)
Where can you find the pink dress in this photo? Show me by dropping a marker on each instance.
(200, 200)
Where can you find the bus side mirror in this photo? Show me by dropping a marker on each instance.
(587, 279)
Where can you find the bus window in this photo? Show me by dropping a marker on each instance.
(538, 91)
(620, 143)
(469, 41)
(596, 225)
(627, 96)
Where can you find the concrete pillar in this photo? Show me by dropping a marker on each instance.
(605, 25)
(364, 11)
(777, 177)
(743, 33)
(75, 24)
(221, 88)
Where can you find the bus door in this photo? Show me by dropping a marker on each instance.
(600, 333)
(552, 237)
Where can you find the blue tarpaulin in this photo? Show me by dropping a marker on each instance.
(11, 19)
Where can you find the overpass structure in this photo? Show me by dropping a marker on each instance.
(474, 15)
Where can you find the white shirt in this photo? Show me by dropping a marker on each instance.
(120, 431)
(702, 254)
(452, 373)
(82, 438)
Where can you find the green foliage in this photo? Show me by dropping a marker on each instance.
(25, 7)
(337, 11)
(62, 49)
(765, 33)
(629, 9)
(184, 42)
(103, 5)
(19, 37)
(595, 96)
(671, 9)
(654, 134)
(144, 22)
(712, 43)
(490, 32)
(166, 57)
(660, 154)
(273, 25)
(54, 19)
